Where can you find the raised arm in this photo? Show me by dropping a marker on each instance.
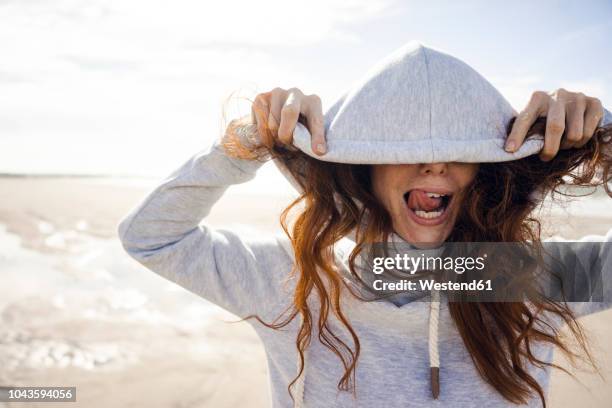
(586, 270)
(245, 276)
(163, 234)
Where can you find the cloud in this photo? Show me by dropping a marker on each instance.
(81, 80)
(13, 78)
(100, 64)
(118, 74)
(47, 40)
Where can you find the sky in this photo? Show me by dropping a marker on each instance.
(135, 87)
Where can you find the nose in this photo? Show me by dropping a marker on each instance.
(434, 169)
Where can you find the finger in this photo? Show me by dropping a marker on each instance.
(593, 114)
(537, 104)
(277, 99)
(313, 110)
(290, 113)
(555, 125)
(260, 111)
(574, 121)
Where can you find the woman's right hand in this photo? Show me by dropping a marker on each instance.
(277, 112)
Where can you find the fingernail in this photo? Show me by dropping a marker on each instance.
(510, 146)
(320, 148)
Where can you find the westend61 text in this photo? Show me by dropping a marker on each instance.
(430, 284)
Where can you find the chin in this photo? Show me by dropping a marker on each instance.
(423, 237)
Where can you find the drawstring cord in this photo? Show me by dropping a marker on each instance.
(434, 355)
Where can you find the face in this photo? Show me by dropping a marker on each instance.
(422, 199)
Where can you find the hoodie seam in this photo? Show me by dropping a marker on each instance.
(429, 100)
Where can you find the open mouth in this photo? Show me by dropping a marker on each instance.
(427, 207)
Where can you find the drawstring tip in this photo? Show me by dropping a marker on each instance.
(435, 382)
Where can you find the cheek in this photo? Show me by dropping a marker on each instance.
(377, 183)
(384, 196)
(382, 183)
(466, 173)
(462, 176)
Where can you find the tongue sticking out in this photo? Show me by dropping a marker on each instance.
(418, 200)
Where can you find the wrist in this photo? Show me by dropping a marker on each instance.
(241, 140)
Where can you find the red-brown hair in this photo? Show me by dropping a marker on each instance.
(498, 206)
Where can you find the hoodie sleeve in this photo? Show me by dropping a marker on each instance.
(596, 251)
(164, 234)
(589, 271)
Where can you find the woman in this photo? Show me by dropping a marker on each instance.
(416, 152)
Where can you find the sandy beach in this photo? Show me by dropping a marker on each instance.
(76, 311)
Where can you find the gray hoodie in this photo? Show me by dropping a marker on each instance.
(251, 275)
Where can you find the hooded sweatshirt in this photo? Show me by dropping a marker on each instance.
(400, 340)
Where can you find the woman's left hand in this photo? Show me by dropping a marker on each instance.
(571, 112)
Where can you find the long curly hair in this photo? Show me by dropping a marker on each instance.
(498, 206)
